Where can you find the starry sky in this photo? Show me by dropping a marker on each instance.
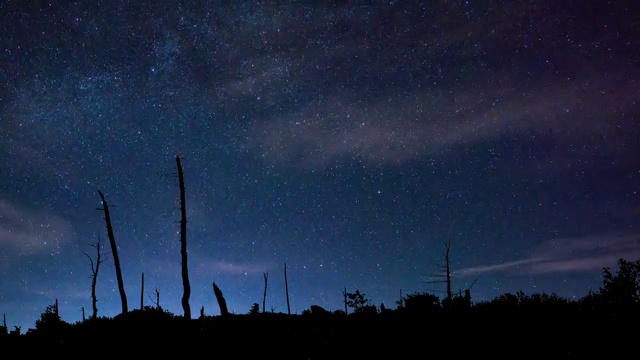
(351, 142)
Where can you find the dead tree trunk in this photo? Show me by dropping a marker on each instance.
(95, 267)
(344, 295)
(286, 288)
(57, 312)
(183, 244)
(448, 270)
(114, 252)
(142, 293)
(264, 297)
(83, 317)
(222, 303)
(158, 299)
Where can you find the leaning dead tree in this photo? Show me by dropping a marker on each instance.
(264, 297)
(222, 303)
(114, 252)
(95, 267)
(286, 288)
(183, 244)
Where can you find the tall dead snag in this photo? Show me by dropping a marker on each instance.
(114, 252)
(448, 270)
(142, 293)
(222, 303)
(344, 295)
(183, 244)
(264, 297)
(286, 288)
(95, 267)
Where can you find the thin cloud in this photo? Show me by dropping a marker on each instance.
(32, 231)
(404, 127)
(227, 267)
(562, 255)
(500, 267)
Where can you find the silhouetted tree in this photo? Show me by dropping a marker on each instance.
(95, 268)
(286, 288)
(50, 323)
(222, 303)
(183, 243)
(264, 297)
(255, 309)
(114, 252)
(620, 292)
(359, 303)
(622, 289)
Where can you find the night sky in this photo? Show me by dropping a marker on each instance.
(351, 142)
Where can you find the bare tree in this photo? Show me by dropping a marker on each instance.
(183, 244)
(264, 297)
(114, 252)
(286, 288)
(95, 267)
(445, 275)
(156, 302)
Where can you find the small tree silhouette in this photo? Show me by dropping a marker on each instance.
(255, 309)
(359, 303)
(50, 323)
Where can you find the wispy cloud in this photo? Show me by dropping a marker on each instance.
(407, 126)
(32, 231)
(227, 267)
(583, 254)
(506, 266)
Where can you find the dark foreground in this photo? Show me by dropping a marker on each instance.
(327, 336)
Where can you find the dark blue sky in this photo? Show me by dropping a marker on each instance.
(351, 142)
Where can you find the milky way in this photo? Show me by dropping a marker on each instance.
(350, 142)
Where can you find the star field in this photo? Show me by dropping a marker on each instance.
(350, 142)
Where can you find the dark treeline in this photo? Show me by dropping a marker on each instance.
(602, 323)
